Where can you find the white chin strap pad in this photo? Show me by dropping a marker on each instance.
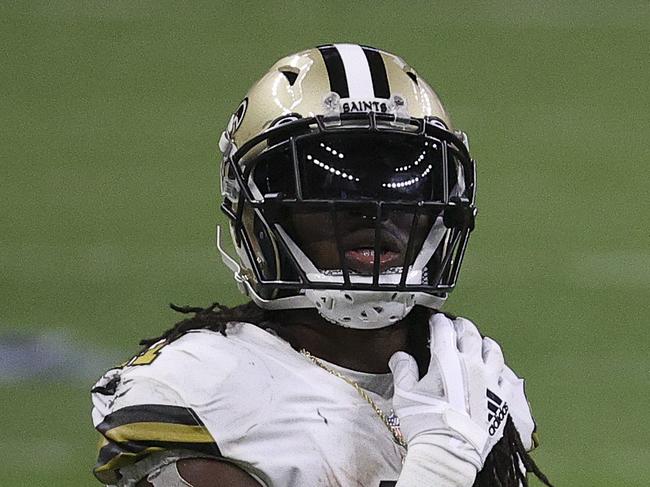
(361, 309)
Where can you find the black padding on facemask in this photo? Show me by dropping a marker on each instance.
(459, 216)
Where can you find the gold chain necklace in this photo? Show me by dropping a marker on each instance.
(390, 420)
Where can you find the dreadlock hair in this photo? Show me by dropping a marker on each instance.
(502, 466)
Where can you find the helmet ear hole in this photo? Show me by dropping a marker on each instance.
(291, 76)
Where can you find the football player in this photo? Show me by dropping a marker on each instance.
(350, 199)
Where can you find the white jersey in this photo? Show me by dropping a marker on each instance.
(248, 398)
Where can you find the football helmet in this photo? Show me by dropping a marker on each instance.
(346, 188)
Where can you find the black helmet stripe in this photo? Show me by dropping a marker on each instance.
(377, 72)
(355, 71)
(335, 70)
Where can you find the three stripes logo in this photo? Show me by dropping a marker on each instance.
(498, 411)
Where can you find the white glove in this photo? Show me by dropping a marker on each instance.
(511, 386)
(519, 409)
(459, 408)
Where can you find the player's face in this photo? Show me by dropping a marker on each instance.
(316, 236)
(349, 173)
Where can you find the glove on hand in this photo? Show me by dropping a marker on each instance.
(519, 408)
(462, 402)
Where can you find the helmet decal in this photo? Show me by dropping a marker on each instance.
(237, 117)
(284, 119)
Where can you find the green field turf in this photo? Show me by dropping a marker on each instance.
(110, 113)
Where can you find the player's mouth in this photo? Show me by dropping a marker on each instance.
(360, 251)
(362, 260)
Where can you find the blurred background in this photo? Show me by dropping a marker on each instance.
(110, 113)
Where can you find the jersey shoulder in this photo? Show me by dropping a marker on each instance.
(157, 400)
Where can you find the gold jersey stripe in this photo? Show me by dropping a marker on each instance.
(171, 432)
(123, 459)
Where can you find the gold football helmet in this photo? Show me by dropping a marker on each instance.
(346, 188)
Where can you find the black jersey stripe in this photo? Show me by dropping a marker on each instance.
(377, 72)
(113, 456)
(149, 413)
(335, 70)
(138, 448)
(109, 454)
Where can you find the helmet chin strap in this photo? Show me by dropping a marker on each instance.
(366, 310)
(370, 310)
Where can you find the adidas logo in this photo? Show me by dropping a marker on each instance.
(498, 411)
